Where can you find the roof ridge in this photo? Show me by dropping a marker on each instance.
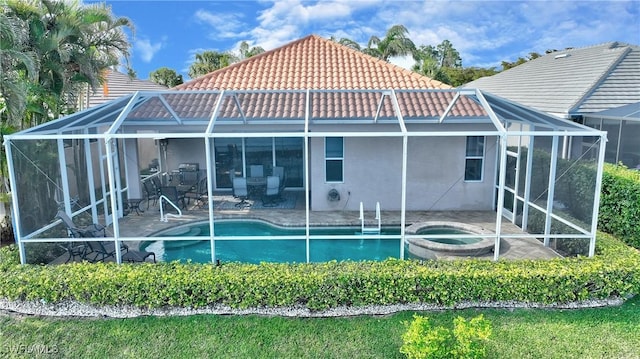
(609, 45)
(394, 67)
(311, 54)
(602, 77)
(241, 62)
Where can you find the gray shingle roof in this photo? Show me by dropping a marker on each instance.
(582, 80)
(118, 85)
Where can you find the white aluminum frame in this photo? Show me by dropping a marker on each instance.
(215, 129)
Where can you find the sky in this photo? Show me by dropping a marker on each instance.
(485, 33)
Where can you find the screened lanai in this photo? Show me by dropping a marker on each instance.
(369, 156)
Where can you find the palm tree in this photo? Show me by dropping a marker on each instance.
(395, 43)
(209, 61)
(53, 49)
(17, 67)
(72, 45)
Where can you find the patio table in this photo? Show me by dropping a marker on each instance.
(133, 204)
(256, 186)
(184, 188)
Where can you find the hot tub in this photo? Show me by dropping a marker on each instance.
(448, 239)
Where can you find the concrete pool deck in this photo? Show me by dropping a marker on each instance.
(148, 223)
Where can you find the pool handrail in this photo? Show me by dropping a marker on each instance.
(165, 217)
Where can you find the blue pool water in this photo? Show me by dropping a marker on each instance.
(273, 250)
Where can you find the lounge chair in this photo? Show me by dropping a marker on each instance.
(84, 250)
(102, 250)
(91, 231)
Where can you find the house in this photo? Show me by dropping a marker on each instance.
(116, 85)
(348, 131)
(579, 84)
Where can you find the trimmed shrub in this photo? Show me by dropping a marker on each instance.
(613, 272)
(467, 340)
(620, 204)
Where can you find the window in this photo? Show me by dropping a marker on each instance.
(474, 159)
(334, 159)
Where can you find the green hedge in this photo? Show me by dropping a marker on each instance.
(613, 272)
(620, 204)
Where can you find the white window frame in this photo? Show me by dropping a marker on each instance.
(327, 158)
(475, 157)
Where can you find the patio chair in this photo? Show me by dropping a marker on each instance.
(256, 171)
(171, 192)
(151, 192)
(155, 181)
(240, 191)
(272, 193)
(198, 193)
(279, 171)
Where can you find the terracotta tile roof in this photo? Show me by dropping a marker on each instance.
(312, 63)
(324, 105)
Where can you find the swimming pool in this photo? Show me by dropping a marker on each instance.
(369, 247)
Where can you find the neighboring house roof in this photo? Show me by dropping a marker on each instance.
(626, 112)
(312, 63)
(573, 81)
(117, 85)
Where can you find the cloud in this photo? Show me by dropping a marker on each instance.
(225, 25)
(146, 49)
(484, 32)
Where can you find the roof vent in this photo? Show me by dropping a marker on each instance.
(561, 56)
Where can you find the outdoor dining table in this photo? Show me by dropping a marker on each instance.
(184, 188)
(256, 186)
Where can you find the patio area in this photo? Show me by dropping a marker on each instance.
(148, 223)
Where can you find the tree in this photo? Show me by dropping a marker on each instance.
(132, 73)
(442, 63)
(17, 67)
(347, 42)
(394, 43)
(506, 65)
(72, 44)
(209, 61)
(448, 56)
(458, 76)
(246, 51)
(51, 50)
(166, 77)
(429, 67)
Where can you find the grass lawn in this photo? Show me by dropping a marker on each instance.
(588, 333)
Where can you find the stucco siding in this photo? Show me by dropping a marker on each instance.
(373, 173)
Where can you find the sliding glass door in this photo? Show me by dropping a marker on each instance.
(234, 156)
